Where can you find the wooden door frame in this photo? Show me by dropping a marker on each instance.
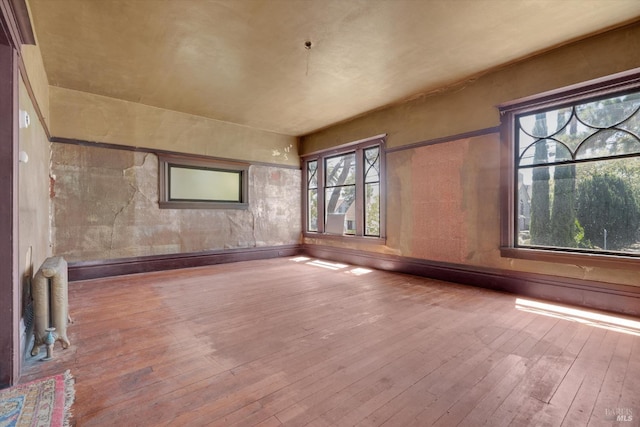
(15, 30)
(9, 280)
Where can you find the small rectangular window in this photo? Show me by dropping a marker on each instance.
(196, 183)
(204, 185)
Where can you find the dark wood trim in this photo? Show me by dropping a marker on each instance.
(372, 240)
(624, 299)
(9, 276)
(618, 82)
(166, 161)
(346, 146)
(321, 194)
(193, 204)
(383, 193)
(82, 270)
(187, 204)
(508, 187)
(160, 152)
(17, 24)
(465, 135)
(616, 298)
(586, 259)
(23, 22)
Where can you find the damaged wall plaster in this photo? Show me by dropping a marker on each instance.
(106, 206)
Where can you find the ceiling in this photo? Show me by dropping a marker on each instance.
(245, 61)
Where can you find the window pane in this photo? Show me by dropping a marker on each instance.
(592, 206)
(608, 112)
(340, 209)
(204, 184)
(372, 209)
(312, 211)
(602, 128)
(545, 151)
(312, 174)
(573, 134)
(340, 170)
(372, 164)
(542, 125)
(608, 143)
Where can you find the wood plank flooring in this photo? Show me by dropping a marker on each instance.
(300, 342)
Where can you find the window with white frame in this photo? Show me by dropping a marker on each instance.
(575, 162)
(344, 190)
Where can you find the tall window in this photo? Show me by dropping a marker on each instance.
(344, 190)
(576, 166)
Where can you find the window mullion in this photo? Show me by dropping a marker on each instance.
(360, 192)
(321, 189)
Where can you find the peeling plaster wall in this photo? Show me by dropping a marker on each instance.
(106, 206)
(443, 201)
(88, 117)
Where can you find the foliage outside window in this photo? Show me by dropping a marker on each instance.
(577, 175)
(344, 190)
(198, 183)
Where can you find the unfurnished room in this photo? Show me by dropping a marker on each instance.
(320, 213)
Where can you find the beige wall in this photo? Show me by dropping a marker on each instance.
(37, 76)
(33, 188)
(33, 199)
(472, 105)
(443, 199)
(84, 116)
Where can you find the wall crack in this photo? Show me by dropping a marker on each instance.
(118, 213)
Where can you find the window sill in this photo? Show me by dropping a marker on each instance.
(346, 238)
(574, 258)
(202, 205)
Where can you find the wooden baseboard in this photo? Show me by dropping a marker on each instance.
(116, 267)
(616, 298)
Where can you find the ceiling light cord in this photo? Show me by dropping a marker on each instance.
(307, 45)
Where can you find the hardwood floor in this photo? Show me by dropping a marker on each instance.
(304, 342)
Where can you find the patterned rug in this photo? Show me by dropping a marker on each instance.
(41, 403)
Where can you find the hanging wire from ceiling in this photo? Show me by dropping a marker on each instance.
(307, 45)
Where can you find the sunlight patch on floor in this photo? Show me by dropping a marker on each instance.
(359, 271)
(335, 266)
(300, 259)
(587, 317)
(328, 265)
